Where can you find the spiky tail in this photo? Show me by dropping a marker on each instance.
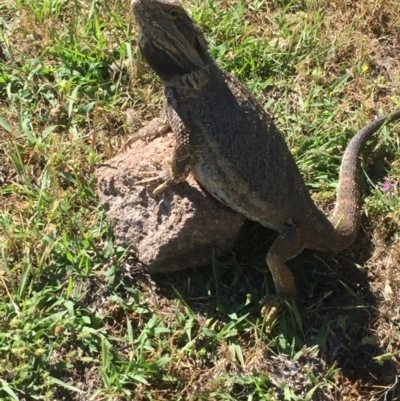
(346, 216)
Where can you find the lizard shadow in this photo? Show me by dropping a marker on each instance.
(335, 302)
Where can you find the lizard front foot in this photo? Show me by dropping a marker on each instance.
(154, 128)
(167, 181)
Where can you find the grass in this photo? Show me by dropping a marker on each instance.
(78, 320)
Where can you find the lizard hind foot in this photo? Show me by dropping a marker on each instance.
(271, 304)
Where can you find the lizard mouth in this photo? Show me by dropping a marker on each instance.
(197, 46)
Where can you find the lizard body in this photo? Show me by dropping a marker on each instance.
(224, 136)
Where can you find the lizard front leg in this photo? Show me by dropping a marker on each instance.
(182, 157)
(157, 126)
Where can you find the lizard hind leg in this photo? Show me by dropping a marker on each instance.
(289, 243)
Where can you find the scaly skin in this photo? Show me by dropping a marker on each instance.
(234, 149)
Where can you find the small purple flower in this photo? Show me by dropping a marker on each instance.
(386, 186)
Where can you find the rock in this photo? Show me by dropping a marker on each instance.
(177, 229)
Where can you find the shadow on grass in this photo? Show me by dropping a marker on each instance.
(336, 308)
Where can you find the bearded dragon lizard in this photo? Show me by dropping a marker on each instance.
(224, 136)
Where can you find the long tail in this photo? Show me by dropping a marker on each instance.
(346, 216)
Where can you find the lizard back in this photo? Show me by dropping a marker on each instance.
(238, 154)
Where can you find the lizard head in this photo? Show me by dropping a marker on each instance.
(169, 40)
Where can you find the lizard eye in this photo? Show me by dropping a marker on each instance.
(173, 14)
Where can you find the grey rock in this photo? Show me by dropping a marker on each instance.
(177, 229)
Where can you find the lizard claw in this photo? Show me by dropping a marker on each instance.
(154, 128)
(272, 303)
(167, 181)
(128, 144)
(148, 178)
(162, 187)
